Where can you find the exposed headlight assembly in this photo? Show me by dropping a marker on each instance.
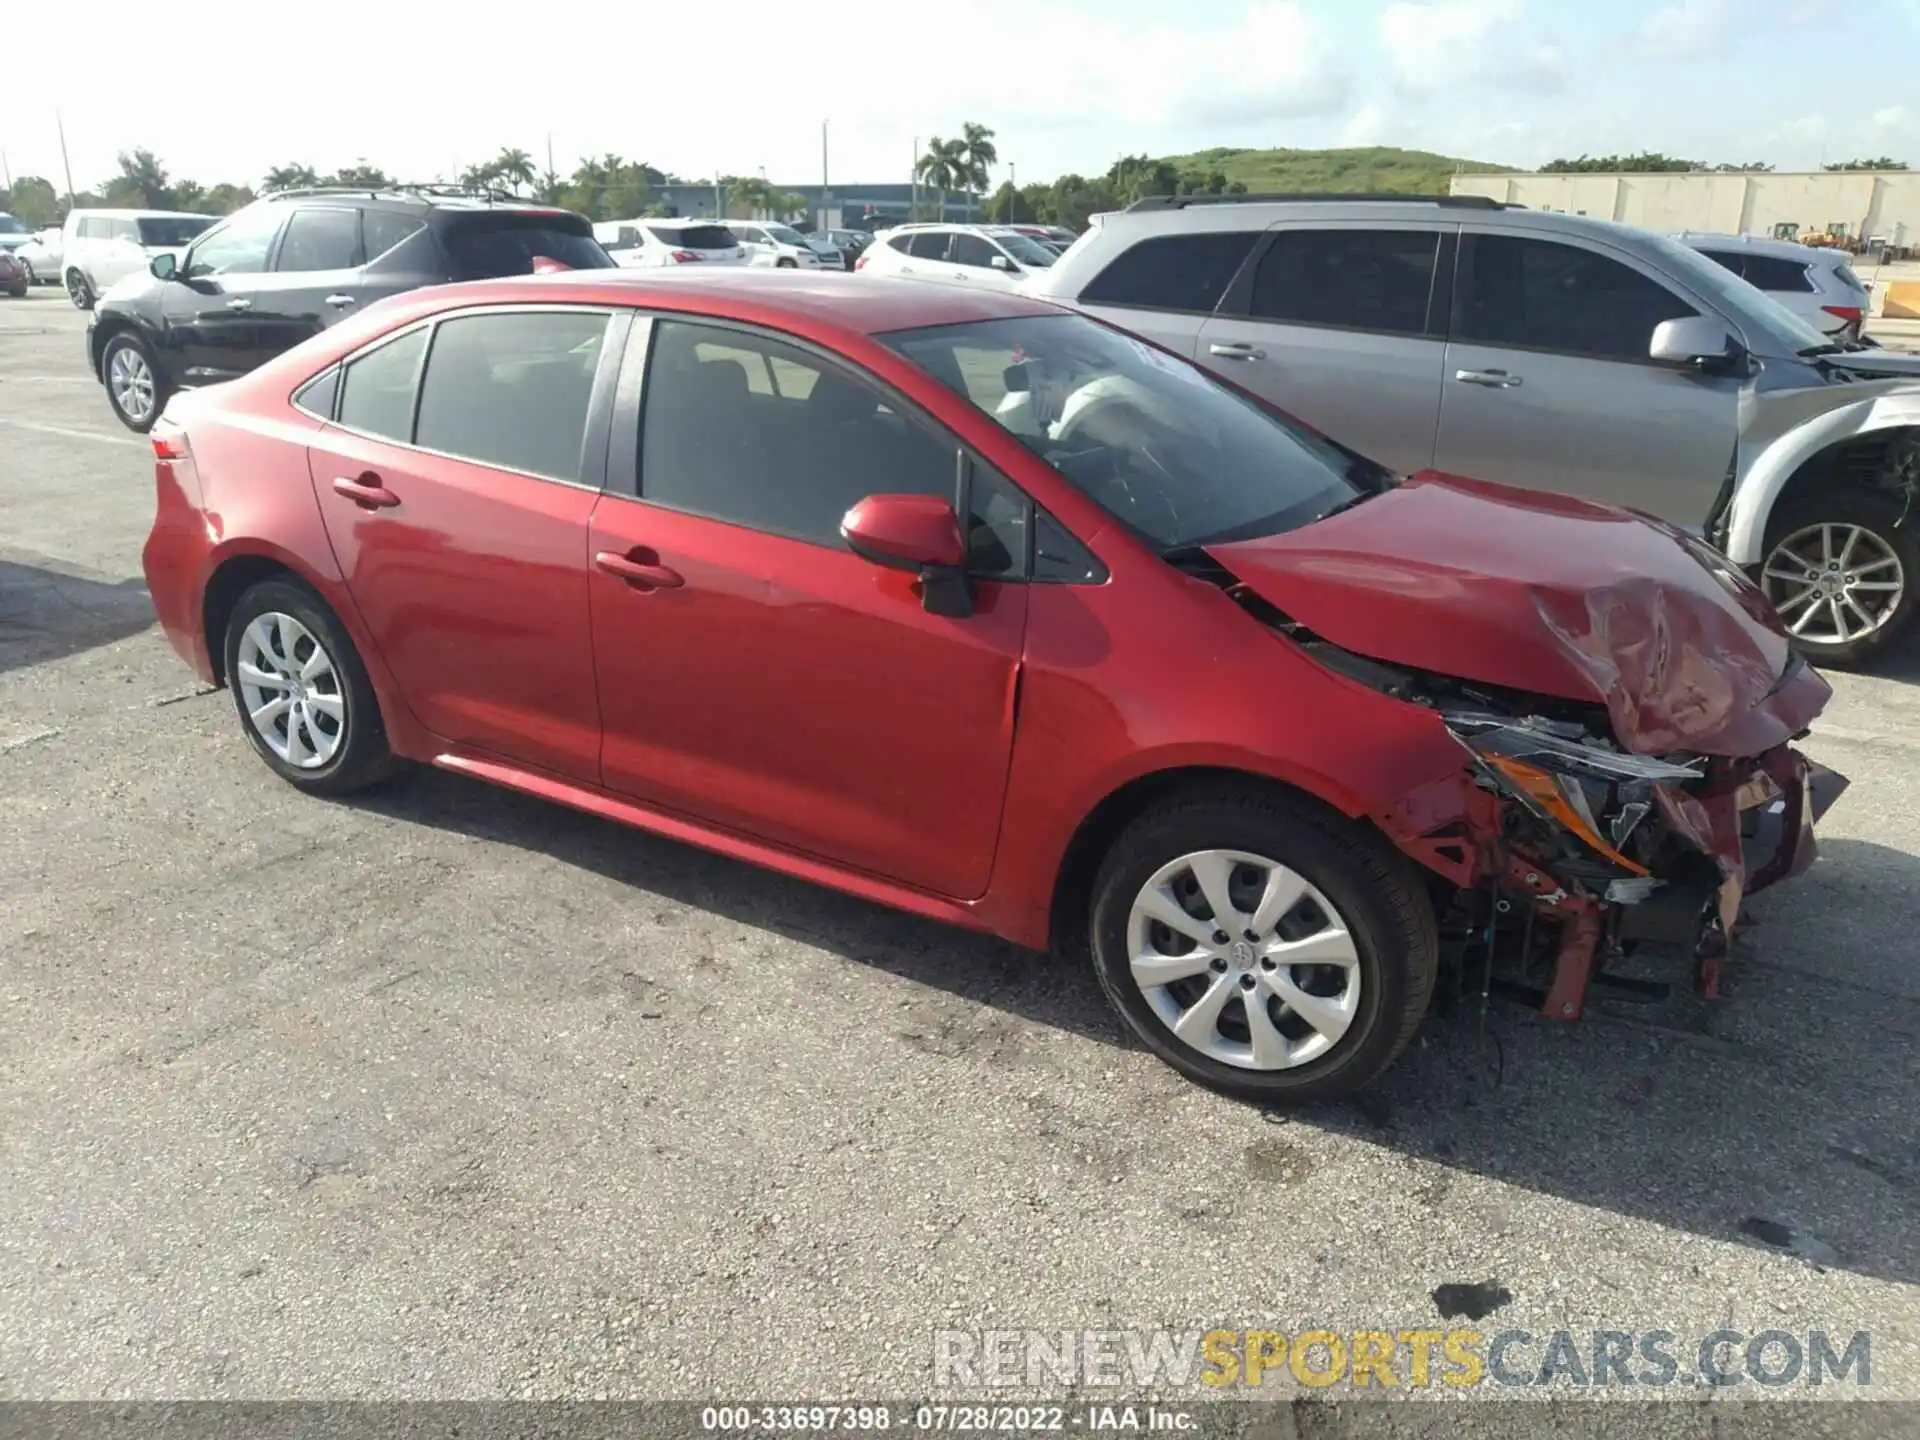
(1551, 770)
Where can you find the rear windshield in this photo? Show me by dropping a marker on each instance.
(786, 235)
(169, 232)
(696, 237)
(1849, 278)
(484, 247)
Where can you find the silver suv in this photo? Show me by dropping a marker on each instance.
(1549, 351)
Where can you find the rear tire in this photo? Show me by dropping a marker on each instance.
(18, 290)
(79, 291)
(301, 692)
(1360, 905)
(1882, 552)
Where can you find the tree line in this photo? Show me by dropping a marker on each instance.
(1652, 162)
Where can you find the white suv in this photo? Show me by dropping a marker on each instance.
(1816, 284)
(649, 243)
(99, 247)
(996, 255)
(769, 242)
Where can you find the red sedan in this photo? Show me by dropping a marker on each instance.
(996, 614)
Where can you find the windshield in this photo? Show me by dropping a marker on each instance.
(1770, 328)
(787, 235)
(11, 225)
(1155, 441)
(170, 232)
(696, 237)
(1026, 250)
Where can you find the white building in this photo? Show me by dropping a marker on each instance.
(1868, 203)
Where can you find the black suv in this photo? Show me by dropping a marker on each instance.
(289, 265)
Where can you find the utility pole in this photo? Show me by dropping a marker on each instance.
(826, 188)
(552, 178)
(719, 210)
(6, 170)
(913, 171)
(65, 168)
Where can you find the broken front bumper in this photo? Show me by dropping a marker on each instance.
(1743, 826)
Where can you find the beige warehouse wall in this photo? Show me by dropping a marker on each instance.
(1876, 202)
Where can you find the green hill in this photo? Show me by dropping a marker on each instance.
(1380, 167)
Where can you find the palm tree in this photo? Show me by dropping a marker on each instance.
(979, 155)
(749, 192)
(290, 177)
(940, 167)
(515, 167)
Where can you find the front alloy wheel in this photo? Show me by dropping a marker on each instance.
(1841, 575)
(1244, 960)
(131, 385)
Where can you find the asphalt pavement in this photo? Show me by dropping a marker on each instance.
(448, 1093)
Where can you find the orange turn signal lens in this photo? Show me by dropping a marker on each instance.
(1544, 790)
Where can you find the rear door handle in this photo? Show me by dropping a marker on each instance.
(240, 302)
(640, 574)
(340, 302)
(1236, 350)
(367, 492)
(1492, 379)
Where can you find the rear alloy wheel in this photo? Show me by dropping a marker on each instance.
(302, 695)
(79, 291)
(1841, 573)
(1261, 947)
(134, 388)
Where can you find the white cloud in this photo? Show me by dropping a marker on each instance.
(1448, 45)
(1366, 126)
(1691, 28)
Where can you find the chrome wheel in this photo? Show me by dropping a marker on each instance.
(291, 691)
(1834, 584)
(131, 380)
(1244, 960)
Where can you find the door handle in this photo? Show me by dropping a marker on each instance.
(1492, 379)
(1236, 350)
(640, 574)
(367, 492)
(240, 302)
(340, 302)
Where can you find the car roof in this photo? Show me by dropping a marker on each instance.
(863, 306)
(1758, 244)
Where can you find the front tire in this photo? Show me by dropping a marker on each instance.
(1841, 570)
(301, 692)
(1262, 947)
(135, 388)
(79, 291)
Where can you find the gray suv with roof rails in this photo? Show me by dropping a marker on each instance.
(290, 264)
(1549, 351)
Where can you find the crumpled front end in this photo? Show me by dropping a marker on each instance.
(1566, 852)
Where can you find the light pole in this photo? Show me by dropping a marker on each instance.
(826, 188)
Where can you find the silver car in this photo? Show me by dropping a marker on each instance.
(1817, 283)
(1548, 351)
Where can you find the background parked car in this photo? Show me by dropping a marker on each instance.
(996, 255)
(768, 242)
(14, 232)
(648, 243)
(850, 243)
(1550, 351)
(13, 275)
(41, 256)
(101, 247)
(286, 267)
(1817, 283)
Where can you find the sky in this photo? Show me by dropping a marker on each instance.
(732, 86)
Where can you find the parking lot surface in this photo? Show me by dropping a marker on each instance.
(446, 1092)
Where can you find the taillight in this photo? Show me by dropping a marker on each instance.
(682, 256)
(859, 260)
(169, 443)
(1848, 313)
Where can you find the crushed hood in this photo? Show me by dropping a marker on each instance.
(1549, 594)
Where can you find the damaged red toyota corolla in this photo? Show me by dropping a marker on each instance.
(993, 613)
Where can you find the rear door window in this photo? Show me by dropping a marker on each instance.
(1187, 273)
(1542, 295)
(486, 247)
(320, 239)
(383, 230)
(376, 390)
(1375, 280)
(512, 389)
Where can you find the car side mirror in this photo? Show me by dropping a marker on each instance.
(919, 533)
(1001, 262)
(163, 266)
(1692, 340)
